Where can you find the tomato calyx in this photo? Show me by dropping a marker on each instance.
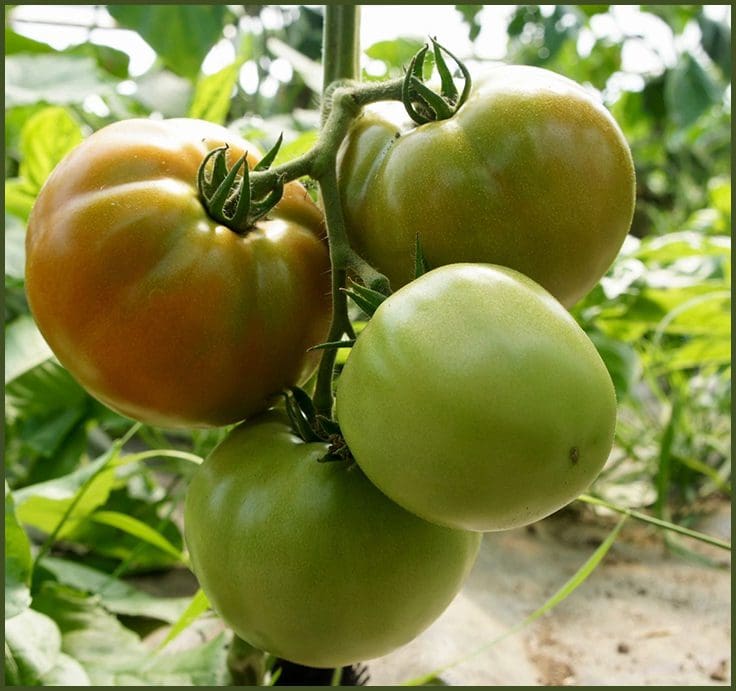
(228, 196)
(313, 427)
(422, 103)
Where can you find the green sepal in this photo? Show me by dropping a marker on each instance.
(298, 417)
(268, 159)
(330, 458)
(421, 103)
(330, 427)
(334, 345)
(230, 201)
(367, 299)
(421, 266)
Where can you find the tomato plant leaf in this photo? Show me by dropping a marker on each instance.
(53, 78)
(197, 606)
(689, 91)
(136, 528)
(420, 262)
(115, 595)
(367, 299)
(33, 654)
(24, 347)
(58, 506)
(18, 561)
(213, 93)
(181, 35)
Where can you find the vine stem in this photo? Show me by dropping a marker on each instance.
(342, 99)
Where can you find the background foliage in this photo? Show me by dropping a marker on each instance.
(92, 499)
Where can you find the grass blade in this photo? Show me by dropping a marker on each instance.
(571, 585)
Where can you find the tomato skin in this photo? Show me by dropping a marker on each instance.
(531, 173)
(308, 560)
(473, 399)
(160, 312)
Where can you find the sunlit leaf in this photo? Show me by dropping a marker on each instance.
(117, 596)
(33, 654)
(18, 561)
(197, 606)
(136, 528)
(24, 347)
(689, 91)
(15, 253)
(181, 35)
(213, 93)
(53, 78)
(63, 503)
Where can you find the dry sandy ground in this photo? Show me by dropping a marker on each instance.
(644, 617)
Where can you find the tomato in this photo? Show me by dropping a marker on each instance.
(531, 173)
(473, 399)
(308, 560)
(160, 312)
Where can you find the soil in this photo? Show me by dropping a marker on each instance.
(644, 617)
(649, 615)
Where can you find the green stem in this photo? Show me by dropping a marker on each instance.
(340, 59)
(341, 45)
(673, 527)
(340, 255)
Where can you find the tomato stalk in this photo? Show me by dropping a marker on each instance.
(343, 96)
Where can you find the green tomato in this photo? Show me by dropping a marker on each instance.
(532, 173)
(473, 399)
(308, 560)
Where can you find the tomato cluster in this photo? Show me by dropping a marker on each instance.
(472, 401)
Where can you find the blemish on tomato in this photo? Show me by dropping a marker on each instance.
(574, 455)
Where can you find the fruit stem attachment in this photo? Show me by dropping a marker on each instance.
(228, 195)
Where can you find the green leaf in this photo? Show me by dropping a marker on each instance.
(621, 360)
(181, 35)
(675, 16)
(697, 353)
(53, 78)
(113, 655)
(197, 606)
(309, 70)
(367, 299)
(17, 43)
(164, 92)
(689, 91)
(115, 595)
(296, 147)
(592, 10)
(18, 561)
(137, 529)
(24, 347)
(33, 654)
(716, 40)
(421, 266)
(15, 250)
(213, 94)
(63, 503)
(46, 138)
(470, 17)
(20, 196)
(396, 53)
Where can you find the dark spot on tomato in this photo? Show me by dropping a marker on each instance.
(574, 455)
